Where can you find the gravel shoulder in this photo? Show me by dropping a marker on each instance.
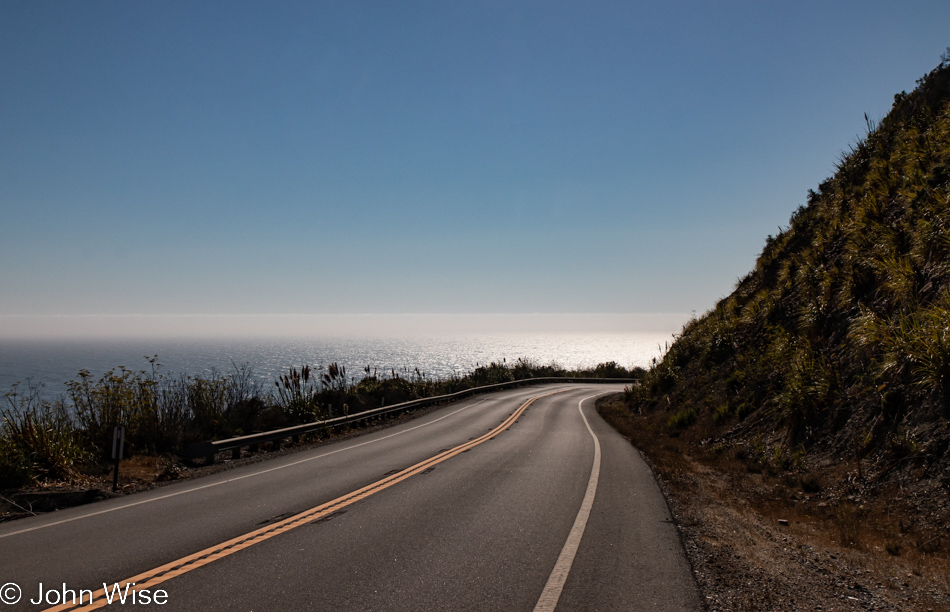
(756, 541)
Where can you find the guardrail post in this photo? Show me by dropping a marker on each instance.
(118, 449)
(236, 453)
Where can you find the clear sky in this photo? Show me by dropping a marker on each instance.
(238, 158)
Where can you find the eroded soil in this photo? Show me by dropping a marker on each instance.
(758, 541)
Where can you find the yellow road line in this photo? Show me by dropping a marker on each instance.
(158, 575)
(562, 567)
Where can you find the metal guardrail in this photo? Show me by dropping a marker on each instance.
(210, 448)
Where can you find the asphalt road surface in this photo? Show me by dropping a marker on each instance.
(516, 500)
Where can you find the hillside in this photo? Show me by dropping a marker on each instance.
(819, 389)
(841, 333)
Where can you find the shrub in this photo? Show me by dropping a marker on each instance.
(744, 409)
(610, 369)
(38, 440)
(722, 413)
(682, 419)
(120, 397)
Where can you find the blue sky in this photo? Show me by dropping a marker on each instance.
(199, 158)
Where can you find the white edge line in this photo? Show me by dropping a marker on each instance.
(555, 584)
(229, 480)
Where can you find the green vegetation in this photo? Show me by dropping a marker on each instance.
(39, 441)
(837, 344)
(43, 440)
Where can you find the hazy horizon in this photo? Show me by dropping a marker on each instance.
(41, 327)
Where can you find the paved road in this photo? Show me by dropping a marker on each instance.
(484, 504)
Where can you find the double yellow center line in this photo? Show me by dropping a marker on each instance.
(158, 575)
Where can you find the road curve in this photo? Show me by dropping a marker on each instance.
(517, 500)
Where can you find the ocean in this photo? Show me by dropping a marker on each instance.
(51, 363)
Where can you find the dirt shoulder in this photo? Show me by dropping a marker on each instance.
(795, 539)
